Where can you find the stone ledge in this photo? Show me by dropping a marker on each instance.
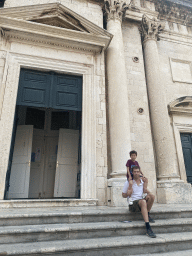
(27, 203)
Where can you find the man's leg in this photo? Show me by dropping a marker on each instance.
(144, 210)
(150, 198)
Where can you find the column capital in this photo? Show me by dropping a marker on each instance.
(151, 28)
(114, 9)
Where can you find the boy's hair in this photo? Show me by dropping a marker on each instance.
(135, 167)
(133, 152)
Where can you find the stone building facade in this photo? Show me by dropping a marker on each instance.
(133, 63)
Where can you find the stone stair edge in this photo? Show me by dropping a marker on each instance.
(174, 253)
(83, 212)
(92, 244)
(34, 203)
(90, 226)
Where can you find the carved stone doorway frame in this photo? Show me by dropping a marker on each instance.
(17, 61)
(182, 123)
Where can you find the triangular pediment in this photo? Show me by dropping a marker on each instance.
(59, 18)
(53, 24)
(54, 14)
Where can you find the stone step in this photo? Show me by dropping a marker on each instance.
(36, 203)
(175, 253)
(51, 232)
(54, 215)
(121, 246)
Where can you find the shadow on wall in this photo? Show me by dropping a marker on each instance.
(2, 3)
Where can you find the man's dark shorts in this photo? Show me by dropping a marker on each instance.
(135, 206)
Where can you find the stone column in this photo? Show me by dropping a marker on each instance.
(119, 125)
(167, 168)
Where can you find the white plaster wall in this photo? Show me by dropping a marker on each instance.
(89, 10)
(141, 139)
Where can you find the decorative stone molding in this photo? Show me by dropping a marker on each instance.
(181, 106)
(53, 24)
(115, 9)
(88, 163)
(150, 28)
(174, 12)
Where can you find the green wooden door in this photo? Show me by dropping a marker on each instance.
(34, 89)
(186, 140)
(66, 91)
(49, 90)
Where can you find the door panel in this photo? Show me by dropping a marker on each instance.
(20, 170)
(41, 89)
(34, 88)
(67, 92)
(37, 165)
(186, 140)
(67, 163)
(50, 166)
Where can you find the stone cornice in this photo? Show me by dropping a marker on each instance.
(164, 10)
(174, 12)
(137, 14)
(14, 29)
(114, 9)
(176, 37)
(150, 28)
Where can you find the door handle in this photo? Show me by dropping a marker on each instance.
(57, 164)
(29, 163)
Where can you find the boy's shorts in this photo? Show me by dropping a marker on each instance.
(135, 206)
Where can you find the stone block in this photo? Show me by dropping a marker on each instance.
(99, 171)
(170, 192)
(101, 182)
(115, 187)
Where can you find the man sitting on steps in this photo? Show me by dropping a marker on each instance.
(134, 189)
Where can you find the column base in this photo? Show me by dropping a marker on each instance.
(172, 192)
(114, 192)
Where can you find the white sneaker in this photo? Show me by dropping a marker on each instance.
(130, 201)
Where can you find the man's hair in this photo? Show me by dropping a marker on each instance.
(135, 167)
(133, 152)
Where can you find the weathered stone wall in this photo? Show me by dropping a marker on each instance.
(179, 49)
(101, 140)
(141, 139)
(175, 53)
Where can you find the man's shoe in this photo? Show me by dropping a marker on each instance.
(151, 220)
(150, 233)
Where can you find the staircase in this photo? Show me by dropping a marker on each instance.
(92, 230)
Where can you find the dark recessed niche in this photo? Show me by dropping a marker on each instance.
(59, 120)
(2, 3)
(35, 117)
(140, 111)
(135, 59)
